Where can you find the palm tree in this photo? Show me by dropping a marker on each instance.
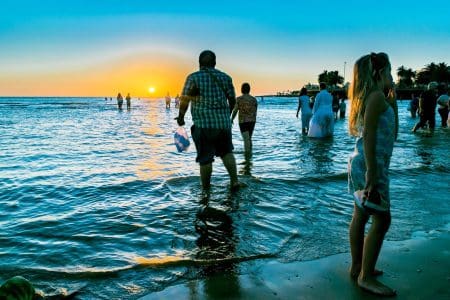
(334, 78)
(331, 78)
(405, 76)
(323, 77)
(425, 75)
(434, 72)
(442, 73)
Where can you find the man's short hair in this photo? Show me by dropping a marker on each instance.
(322, 85)
(245, 88)
(207, 59)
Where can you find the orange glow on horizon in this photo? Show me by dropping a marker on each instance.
(151, 75)
(127, 75)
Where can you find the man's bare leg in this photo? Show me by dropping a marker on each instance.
(247, 145)
(230, 164)
(205, 175)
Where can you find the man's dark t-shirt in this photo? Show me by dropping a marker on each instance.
(428, 102)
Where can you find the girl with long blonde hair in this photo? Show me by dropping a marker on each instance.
(374, 121)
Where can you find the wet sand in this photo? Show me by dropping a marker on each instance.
(418, 268)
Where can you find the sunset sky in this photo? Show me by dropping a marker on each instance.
(101, 47)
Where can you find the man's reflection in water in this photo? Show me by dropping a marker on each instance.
(217, 245)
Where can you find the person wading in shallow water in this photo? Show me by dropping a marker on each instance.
(212, 97)
(427, 108)
(303, 104)
(128, 98)
(119, 100)
(247, 107)
(374, 121)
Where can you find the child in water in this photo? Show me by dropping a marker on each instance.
(374, 121)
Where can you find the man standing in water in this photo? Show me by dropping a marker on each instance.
(427, 108)
(168, 99)
(119, 101)
(128, 98)
(212, 95)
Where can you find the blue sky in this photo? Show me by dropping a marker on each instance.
(73, 47)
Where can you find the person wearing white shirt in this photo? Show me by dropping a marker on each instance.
(322, 121)
(303, 104)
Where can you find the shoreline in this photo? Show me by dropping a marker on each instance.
(418, 268)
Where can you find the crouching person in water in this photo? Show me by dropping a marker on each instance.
(374, 121)
(247, 107)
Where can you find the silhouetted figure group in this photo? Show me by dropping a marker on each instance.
(120, 101)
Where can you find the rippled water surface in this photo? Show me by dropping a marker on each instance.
(98, 200)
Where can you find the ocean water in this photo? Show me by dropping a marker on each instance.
(99, 200)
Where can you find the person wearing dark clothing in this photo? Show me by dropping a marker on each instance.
(335, 106)
(128, 98)
(443, 104)
(342, 108)
(413, 106)
(427, 108)
(119, 101)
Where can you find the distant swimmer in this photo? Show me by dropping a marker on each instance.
(177, 101)
(168, 99)
(119, 100)
(128, 98)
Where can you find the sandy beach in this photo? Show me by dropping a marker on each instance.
(418, 268)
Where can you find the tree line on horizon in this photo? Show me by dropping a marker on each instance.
(407, 78)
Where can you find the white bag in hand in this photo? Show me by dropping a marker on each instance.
(181, 139)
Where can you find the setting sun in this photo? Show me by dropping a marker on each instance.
(151, 90)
